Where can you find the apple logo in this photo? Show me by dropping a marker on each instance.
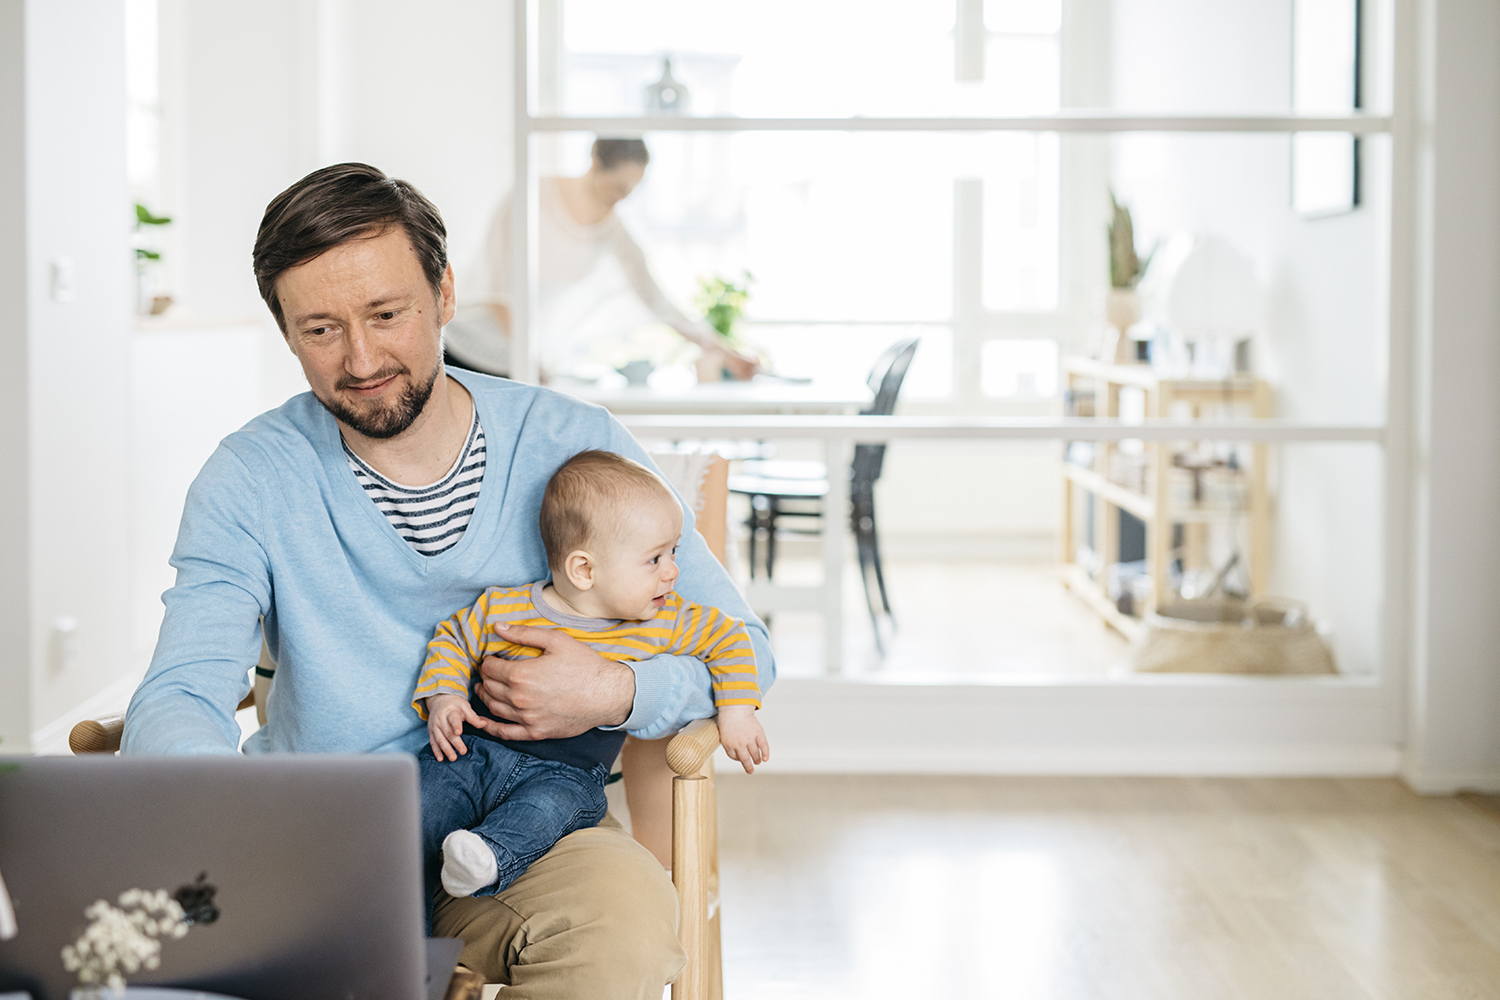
(197, 900)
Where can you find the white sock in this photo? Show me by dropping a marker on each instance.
(468, 863)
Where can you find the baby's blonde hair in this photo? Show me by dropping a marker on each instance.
(586, 498)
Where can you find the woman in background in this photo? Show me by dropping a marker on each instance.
(577, 228)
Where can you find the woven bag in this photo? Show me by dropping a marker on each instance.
(1272, 636)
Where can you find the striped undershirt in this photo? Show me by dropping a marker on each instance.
(431, 518)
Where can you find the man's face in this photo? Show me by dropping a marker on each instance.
(367, 327)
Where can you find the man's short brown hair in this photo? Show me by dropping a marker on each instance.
(584, 500)
(338, 204)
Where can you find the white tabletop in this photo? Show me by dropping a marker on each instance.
(759, 395)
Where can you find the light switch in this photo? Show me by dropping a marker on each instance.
(65, 632)
(62, 279)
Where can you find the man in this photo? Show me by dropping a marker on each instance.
(345, 524)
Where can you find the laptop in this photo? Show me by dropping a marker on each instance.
(301, 873)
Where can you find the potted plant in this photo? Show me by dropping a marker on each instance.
(1122, 308)
(723, 303)
(148, 303)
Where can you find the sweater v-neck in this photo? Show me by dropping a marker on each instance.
(330, 448)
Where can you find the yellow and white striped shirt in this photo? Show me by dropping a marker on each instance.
(680, 628)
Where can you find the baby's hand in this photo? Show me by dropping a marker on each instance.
(742, 737)
(446, 715)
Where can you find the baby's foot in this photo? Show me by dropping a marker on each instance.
(468, 863)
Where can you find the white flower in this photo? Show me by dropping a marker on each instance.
(123, 941)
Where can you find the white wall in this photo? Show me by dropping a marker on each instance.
(443, 118)
(1323, 339)
(15, 530)
(278, 88)
(1455, 704)
(64, 432)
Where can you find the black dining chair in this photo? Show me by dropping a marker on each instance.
(795, 489)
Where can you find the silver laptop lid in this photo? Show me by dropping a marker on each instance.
(311, 869)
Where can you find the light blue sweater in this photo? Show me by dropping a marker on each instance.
(276, 526)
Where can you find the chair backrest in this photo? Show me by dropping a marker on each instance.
(885, 381)
(886, 376)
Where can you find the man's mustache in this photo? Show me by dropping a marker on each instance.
(348, 383)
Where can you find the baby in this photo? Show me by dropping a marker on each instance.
(491, 808)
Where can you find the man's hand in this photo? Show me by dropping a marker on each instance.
(446, 715)
(567, 690)
(742, 737)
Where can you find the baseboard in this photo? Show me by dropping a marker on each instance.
(52, 739)
(1009, 548)
(1134, 761)
(1012, 548)
(1448, 782)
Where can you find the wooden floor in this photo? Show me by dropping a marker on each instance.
(917, 887)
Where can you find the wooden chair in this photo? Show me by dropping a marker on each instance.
(669, 791)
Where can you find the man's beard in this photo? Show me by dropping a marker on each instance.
(391, 419)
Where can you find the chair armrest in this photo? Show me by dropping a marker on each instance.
(97, 735)
(103, 735)
(692, 747)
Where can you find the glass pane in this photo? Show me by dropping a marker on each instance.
(834, 227)
(1018, 368)
(833, 350)
(1021, 222)
(1027, 16)
(788, 59)
(1240, 280)
(1225, 56)
(143, 112)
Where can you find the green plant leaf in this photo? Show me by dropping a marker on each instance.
(1125, 267)
(141, 253)
(723, 302)
(143, 217)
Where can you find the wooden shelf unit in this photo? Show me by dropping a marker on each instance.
(1155, 506)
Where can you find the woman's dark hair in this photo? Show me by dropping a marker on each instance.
(611, 153)
(337, 204)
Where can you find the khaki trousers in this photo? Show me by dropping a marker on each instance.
(595, 917)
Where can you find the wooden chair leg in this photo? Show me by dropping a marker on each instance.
(691, 794)
(715, 951)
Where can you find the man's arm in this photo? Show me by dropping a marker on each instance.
(210, 637)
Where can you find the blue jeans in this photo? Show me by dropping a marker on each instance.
(518, 804)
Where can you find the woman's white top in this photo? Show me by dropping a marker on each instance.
(569, 251)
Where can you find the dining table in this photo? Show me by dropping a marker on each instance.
(752, 397)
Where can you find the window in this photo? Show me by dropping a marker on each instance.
(1018, 368)
(143, 110)
(850, 236)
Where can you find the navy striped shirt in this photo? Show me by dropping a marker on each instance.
(431, 518)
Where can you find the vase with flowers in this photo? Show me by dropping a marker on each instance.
(723, 303)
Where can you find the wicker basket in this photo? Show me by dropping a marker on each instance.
(1273, 636)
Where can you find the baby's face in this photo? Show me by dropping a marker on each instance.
(638, 568)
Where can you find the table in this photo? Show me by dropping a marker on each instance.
(759, 395)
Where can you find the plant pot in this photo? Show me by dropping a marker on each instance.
(1122, 308)
(711, 364)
